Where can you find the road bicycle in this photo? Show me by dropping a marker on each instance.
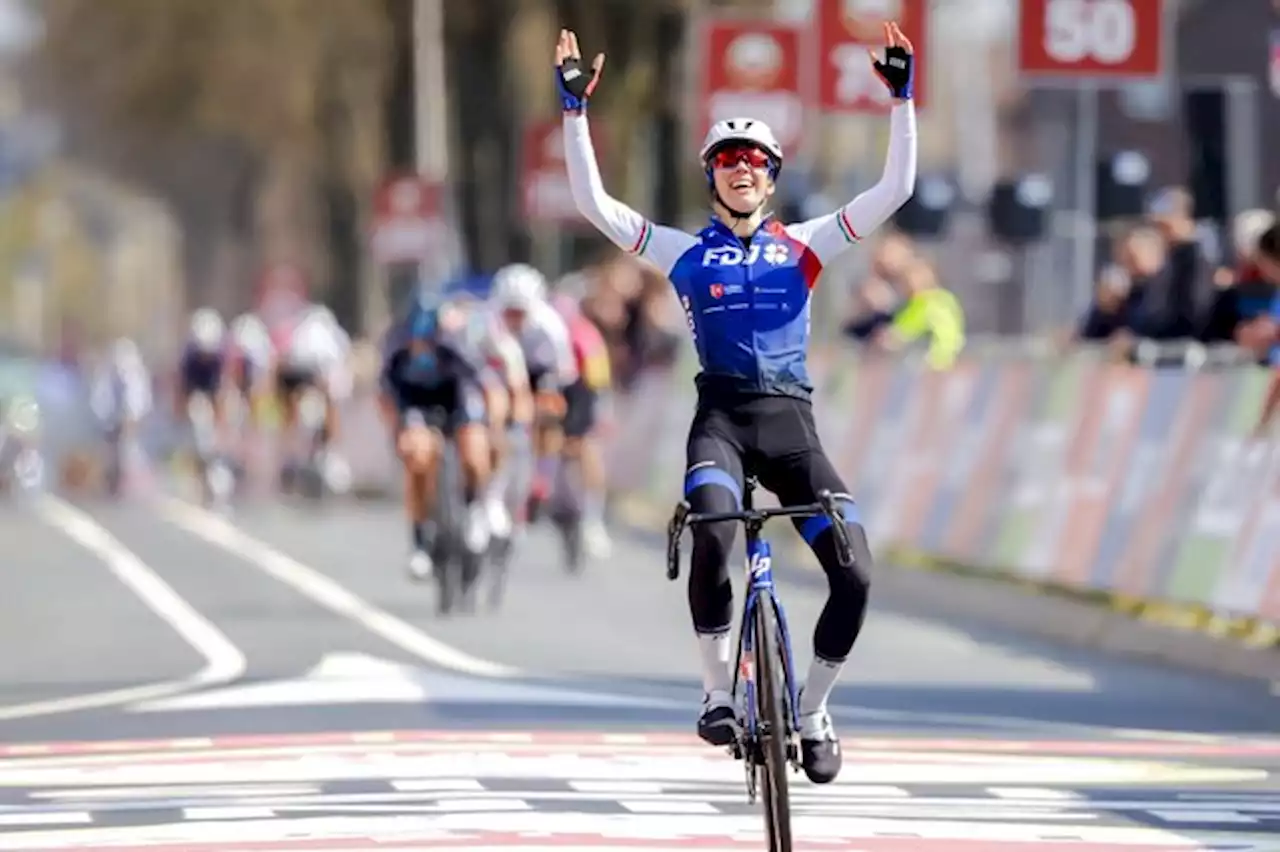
(768, 741)
(456, 568)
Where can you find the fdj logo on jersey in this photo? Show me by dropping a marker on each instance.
(775, 254)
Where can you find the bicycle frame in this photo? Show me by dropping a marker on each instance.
(761, 591)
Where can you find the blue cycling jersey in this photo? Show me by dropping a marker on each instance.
(747, 306)
(746, 300)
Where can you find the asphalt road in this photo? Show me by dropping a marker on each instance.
(243, 660)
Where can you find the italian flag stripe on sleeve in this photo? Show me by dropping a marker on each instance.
(846, 228)
(642, 243)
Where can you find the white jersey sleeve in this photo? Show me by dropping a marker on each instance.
(634, 234)
(830, 235)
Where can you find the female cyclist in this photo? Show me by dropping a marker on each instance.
(744, 282)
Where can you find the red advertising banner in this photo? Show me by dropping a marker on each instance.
(1092, 38)
(407, 219)
(845, 31)
(544, 180)
(752, 68)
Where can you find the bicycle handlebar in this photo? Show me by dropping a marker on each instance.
(826, 505)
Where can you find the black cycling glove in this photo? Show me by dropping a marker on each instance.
(576, 83)
(898, 71)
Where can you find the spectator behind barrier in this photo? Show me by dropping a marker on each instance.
(637, 315)
(1241, 301)
(1107, 316)
(890, 319)
(1264, 330)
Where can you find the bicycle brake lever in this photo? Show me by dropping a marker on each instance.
(844, 547)
(674, 529)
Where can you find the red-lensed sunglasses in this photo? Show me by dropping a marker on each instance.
(728, 158)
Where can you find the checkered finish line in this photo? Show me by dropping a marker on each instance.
(463, 790)
(1172, 747)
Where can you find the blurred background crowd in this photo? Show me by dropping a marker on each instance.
(1090, 171)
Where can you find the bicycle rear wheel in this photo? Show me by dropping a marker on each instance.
(772, 728)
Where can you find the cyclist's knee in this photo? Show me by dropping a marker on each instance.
(818, 533)
(473, 447)
(417, 448)
(712, 544)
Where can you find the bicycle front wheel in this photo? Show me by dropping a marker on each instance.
(772, 730)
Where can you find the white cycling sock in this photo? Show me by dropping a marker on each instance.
(713, 648)
(817, 686)
(497, 487)
(593, 507)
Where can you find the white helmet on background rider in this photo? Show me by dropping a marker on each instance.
(125, 354)
(322, 314)
(250, 333)
(518, 287)
(207, 329)
(742, 130)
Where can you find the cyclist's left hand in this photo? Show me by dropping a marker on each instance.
(898, 68)
(575, 83)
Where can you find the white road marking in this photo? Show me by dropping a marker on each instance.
(659, 806)
(228, 813)
(327, 592)
(1039, 793)
(61, 818)
(681, 828)
(354, 678)
(224, 662)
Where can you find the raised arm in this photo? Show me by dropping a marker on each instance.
(627, 229)
(831, 234)
(621, 224)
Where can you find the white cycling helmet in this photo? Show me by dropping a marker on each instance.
(207, 329)
(125, 354)
(518, 287)
(747, 130)
(250, 332)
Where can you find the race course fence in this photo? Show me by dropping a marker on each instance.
(1076, 470)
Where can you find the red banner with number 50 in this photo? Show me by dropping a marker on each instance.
(1092, 38)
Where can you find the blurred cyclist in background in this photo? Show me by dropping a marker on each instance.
(201, 369)
(431, 381)
(314, 354)
(250, 364)
(252, 358)
(120, 396)
(519, 295)
(504, 379)
(582, 400)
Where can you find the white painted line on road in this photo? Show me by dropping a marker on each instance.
(1043, 794)
(47, 818)
(665, 807)
(223, 660)
(327, 592)
(244, 812)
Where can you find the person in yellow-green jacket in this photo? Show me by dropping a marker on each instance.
(930, 310)
(923, 308)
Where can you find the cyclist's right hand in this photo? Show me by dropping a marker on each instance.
(575, 83)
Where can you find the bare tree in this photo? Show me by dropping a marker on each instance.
(238, 111)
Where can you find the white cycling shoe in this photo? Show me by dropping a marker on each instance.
(421, 566)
